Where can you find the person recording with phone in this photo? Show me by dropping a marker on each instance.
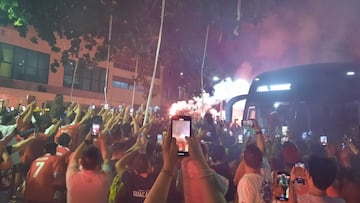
(89, 164)
(203, 182)
(320, 174)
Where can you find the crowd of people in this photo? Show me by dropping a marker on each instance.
(69, 153)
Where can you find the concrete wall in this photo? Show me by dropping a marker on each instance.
(16, 90)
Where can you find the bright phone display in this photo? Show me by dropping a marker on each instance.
(181, 128)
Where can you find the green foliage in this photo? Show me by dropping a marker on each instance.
(34, 40)
(11, 13)
(54, 66)
(135, 30)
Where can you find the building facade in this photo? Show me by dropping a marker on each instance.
(25, 70)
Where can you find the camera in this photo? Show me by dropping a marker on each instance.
(180, 129)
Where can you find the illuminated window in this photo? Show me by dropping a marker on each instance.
(276, 87)
(23, 64)
(85, 78)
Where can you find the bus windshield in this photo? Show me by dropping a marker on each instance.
(301, 119)
(310, 100)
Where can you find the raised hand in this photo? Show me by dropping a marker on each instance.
(169, 150)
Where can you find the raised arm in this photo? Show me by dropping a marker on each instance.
(20, 145)
(73, 163)
(25, 117)
(353, 148)
(292, 191)
(78, 114)
(136, 127)
(103, 148)
(6, 161)
(240, 171)
(86, 117)
(53, 130)
(121, 165)
(210, 190)
(160, 190)
(260, 141)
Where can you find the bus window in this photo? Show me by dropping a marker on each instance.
(251, 113)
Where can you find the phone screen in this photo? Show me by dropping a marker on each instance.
(95, 129)
(304, 135)
(323, 140)
(284, 130)
(263, 131)
(181, 128)
(92, 107)
(299, 170)
(283, 179)
(240, 139)
(159, 138)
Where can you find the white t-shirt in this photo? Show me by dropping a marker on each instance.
(7, 130)
(249, 188)
(309, 198)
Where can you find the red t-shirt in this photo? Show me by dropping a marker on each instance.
(47, 173)
(63, 152)
(73, 131)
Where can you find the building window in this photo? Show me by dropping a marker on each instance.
(123, 83)
(85, 79)
(127, 64)
(126, 83)
(23, 64)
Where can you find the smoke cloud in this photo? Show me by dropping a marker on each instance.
(311, 31)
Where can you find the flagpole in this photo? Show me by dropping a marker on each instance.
(202, 70)
(108, 61)
(156, 62)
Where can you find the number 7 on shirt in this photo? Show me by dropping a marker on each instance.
(39, 166)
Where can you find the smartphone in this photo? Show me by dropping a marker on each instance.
(343, 146)
(30, 98)
(248, 133)
(304, 135)
(92, 107)
(120, 108)
(106, 106)
(263, 131)
(323, 140)
(284, 139)
(240, 139)
(181, 128)
(96, 123)
(247, 123)
(95, 130)
(300, 172)
(22, 108)
(284, 130)
(283, 179)
(159, 138)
